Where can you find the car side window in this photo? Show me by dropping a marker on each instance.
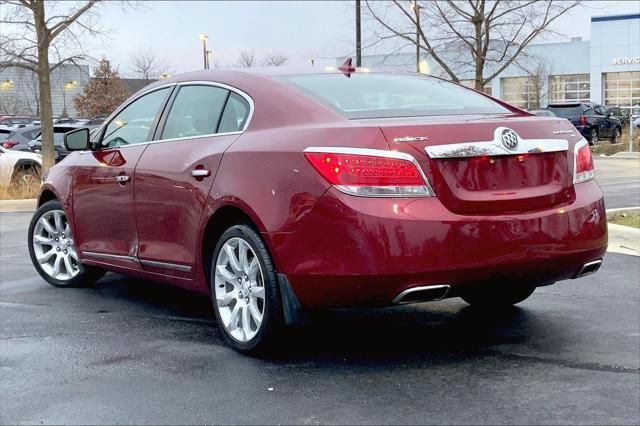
(195, 111)
(235, 115)
(600, 110)
(133, 125)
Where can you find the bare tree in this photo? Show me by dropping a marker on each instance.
(148, 66)
(40, 37)
(538, 72)
(246, 59)
(274, 60)
(482, 37)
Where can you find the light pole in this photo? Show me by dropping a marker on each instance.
(416, 9)
(205, 52)
(68, 85)
(358, 36)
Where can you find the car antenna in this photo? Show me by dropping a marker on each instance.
(347, 69)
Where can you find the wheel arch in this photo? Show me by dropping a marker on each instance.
(46, 194)
(222, 218)
(26, 163)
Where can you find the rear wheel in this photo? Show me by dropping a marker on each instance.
(593, 140)
(617, 136)
(497, 296)
(53, 252)
(245, 291)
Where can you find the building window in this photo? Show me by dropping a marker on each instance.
(472, 84)
(522, 92)
(570, 88)
(621, 88)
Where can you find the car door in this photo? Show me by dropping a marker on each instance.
(103, 193)
(605, 125)
(175, 173)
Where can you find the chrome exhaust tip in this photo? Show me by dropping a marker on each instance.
(589, 268)
(421, 294)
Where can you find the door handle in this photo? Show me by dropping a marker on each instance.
(200, 173)
(122, 178)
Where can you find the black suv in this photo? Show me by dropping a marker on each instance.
(592, 120)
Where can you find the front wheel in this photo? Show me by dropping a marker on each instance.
(245, 292)
(53, 252)
(497, 296)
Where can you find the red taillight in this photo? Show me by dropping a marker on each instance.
(583, 163)
(368, 172)
(583, 120)
(9, 144)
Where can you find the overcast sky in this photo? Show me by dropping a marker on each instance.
(300, 30)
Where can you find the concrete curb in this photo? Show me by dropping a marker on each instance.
(632, 156)
(8, 206)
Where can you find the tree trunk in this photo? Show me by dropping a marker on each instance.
(44, 84)
(478, 22)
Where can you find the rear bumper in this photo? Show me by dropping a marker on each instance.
(351, 251)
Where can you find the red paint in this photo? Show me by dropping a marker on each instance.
(519, 218)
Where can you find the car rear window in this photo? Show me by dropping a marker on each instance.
(369, 95)
(4, 135)
(566, 111)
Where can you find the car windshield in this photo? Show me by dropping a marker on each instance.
(368, 95)
(565, 111)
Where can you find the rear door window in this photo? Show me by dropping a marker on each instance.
(196, 111)
(235, 115)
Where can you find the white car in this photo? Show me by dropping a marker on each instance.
(19, 168)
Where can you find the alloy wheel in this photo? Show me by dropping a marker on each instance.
(239, 289)
(616, 136)
(54, 247)
(594, 137)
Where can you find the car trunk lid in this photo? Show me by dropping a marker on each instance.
(486, 165)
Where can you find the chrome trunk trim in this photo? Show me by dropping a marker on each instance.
(497, 147)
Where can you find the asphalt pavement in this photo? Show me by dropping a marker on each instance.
(131, 351)
(619, 179)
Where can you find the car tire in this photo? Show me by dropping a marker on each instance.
(617, 135)
(593, 138)
(497, 296)
(245, 292)
(52, 249)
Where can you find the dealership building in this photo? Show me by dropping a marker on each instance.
(605, 69)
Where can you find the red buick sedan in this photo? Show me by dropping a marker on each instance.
(276, 192)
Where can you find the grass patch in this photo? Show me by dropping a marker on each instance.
(627, 220)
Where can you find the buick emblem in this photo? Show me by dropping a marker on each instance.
(509, 139)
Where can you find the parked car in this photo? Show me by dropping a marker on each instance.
(19, 138)
(15, 121)
(276, 192)
(19, 168)
(543, 113)
(592, 120)
(621, 114)
(59, 131)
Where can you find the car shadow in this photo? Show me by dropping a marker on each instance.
(436, 332)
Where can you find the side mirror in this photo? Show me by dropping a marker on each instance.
(77, 140)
